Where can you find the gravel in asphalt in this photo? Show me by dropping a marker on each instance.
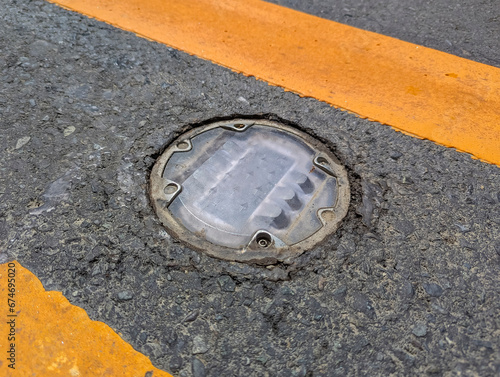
(407, 286)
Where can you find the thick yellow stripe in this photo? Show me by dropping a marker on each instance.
(53, 338)
(423, 92)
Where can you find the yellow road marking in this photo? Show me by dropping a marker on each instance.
(427, 93)
(55, 338)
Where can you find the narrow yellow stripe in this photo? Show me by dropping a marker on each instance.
(427, 93)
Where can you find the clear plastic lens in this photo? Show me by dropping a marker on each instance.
(234, 184)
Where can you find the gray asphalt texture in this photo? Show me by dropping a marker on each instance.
(409, 285)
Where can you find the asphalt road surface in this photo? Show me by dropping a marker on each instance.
(409, 284)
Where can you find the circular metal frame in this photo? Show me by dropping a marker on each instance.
(264, 248)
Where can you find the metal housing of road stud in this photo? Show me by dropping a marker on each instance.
(249, 190)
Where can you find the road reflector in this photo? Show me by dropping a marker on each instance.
(249, 190)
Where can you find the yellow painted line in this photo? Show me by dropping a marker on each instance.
(426, 93)
(54, 338)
